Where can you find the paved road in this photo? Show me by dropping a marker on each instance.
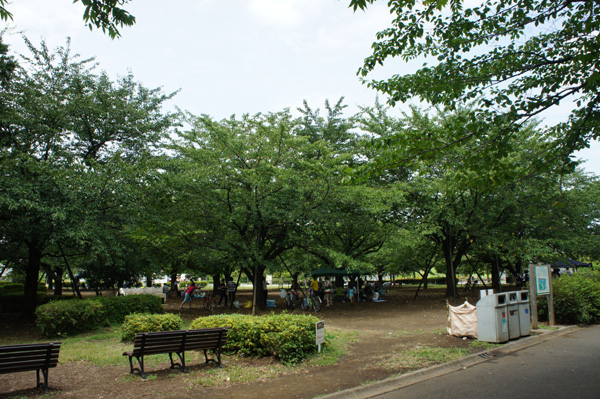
(564, 367)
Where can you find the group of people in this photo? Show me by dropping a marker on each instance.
(356, 290)
(227, 290)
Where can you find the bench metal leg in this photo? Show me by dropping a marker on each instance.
(181, 363)
(42, 384)
(140, 369)
(217, 353)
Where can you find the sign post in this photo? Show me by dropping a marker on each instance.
(541, 285)
(320, 334)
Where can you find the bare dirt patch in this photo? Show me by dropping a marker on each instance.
(381, 330)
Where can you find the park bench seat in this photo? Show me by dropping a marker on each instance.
(30, 357)
(177, 342)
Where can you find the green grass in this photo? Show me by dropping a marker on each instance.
(336, 346)
(483, 345)
(424, 356)
(545, 327)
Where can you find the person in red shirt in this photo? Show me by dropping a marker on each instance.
(188, 294)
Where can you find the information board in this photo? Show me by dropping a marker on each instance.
(320, 333)
(542, 280)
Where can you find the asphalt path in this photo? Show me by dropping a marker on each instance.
(567, 366)
(548, 364)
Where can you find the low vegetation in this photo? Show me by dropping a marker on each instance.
(291, 338)
(576, 299)
(71, 317)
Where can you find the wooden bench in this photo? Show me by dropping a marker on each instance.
(30, 357)
(177, 342)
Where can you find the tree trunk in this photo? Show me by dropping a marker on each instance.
(32, 272)
(58, 284)
(496, 275)
(216, 283)
(174, 287)
(450, 270)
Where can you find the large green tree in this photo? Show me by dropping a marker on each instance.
(73, 149)
(515, 58)
(247, 187)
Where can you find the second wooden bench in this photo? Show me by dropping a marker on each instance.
(177, 342)
(30, 357)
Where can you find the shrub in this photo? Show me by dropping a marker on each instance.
(75, 316)
(13, 302)
(69, 317)
(576, 299)
(11, 288)
(136, 323)
(289, 337)
(116, 308)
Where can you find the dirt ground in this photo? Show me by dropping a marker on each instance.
(381, 329)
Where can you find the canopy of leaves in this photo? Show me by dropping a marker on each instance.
(102, 14)
(515, 58)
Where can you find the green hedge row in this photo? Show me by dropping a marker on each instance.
(576, 299)
(136, 323)
(60, 318)
(8, 287)
(289, 337)
(13, 302)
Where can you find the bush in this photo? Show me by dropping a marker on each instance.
(59, 318)
(116, 308)
(576, 299)
(136, 323)
(13, 302)
(289, 337)
(12, 288)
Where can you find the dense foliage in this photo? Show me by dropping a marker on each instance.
(576, 298)
(60, 318)
(515, 58)
(139, 322)
(289, 337)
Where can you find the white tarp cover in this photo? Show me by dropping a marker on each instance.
(462, 320)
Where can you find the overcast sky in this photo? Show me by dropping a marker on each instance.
(230, 56)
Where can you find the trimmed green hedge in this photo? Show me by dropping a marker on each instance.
(13, 302)
(289, 337)
(60, 318)
(139, 322)
(576, 299)
(8, 287)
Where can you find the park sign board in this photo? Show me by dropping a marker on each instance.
(540, 286)
(320, 333)
(542, 280)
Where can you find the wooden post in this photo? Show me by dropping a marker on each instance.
(551, 319)
(533, 298)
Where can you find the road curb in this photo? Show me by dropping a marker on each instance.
(404, 380)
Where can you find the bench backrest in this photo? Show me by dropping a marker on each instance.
(26, 357)
(179, 341)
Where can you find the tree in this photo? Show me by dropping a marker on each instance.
(73, 149)
(514, 58)
(246, 187)
(103, 14)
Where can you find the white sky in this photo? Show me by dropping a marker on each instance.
(230, 56)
